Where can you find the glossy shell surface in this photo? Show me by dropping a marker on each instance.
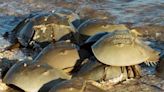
(31, 77)
(76, 85)
(91, 27)
(54, 25)
(59, 55)
(123, 48)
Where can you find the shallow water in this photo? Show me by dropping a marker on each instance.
(138, 12)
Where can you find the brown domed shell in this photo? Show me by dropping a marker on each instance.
(31, 77)
(93, 26)
(122, 48)
(59, 55)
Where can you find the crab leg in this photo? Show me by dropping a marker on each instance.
(130, 72)
(137, 70)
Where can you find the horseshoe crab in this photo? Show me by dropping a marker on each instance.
(61, 55)
(30, 77)
(93, 26)
(123, 48)
(60, 24)
(76, 85)
(97, 71)
(43, 28)
(116, 44)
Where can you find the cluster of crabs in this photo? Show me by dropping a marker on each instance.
(75, 53)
